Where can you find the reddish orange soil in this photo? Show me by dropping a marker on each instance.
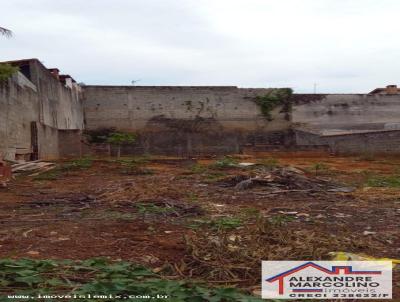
(94, 212)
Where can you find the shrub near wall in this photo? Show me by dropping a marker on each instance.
(6, 71)
(110, 137)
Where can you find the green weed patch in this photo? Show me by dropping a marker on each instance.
(116, 280)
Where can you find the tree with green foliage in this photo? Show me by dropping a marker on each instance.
(121, 138)
(6, 71)
(5, 32)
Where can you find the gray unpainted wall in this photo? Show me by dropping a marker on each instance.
(47, 142)
(222, 119)
(379, 142)
(347, 111)
(41, 99)
(315, 116)
(132, 107)
(174, 120)
(19, 106)
(60, 106)
(184, 120)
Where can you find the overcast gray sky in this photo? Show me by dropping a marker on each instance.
(342, 45)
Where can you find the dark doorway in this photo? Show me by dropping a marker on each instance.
(34, 141)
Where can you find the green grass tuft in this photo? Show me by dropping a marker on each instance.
(224, 163)
(392, 181)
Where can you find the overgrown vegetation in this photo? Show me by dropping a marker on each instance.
(7, 71)
(209, 171)
(133, 166)
(280, 220)
(120, 138)
(198, 169)
(98, 136)
(226, 162)
(390, 181)
(77, 164)
(273, 99)
(131, 161)
(103, 278)
(110, 136)
(218, 224)
(226, 223)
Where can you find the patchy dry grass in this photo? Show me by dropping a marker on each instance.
(194, 222)
(234, 255)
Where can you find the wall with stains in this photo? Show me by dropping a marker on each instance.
(48, 142)
(347, 111)
(179, 120)
(35, 96)
(60, 106)
(374, 142)
(19, 106)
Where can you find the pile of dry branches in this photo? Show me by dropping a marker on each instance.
(235, 256)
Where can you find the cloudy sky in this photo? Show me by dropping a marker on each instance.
(341, 45)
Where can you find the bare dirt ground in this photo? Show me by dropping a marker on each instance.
(188, 218)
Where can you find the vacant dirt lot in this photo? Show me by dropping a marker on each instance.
(207, 219)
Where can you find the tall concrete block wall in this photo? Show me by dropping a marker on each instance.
(19, 106)
(376, 142)
(35, 96)
(174, 119)
(48, 141)
(348, 123)
(131, 108)
(70, 143)
(61, 107)
(181, 120)
(347, 111)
